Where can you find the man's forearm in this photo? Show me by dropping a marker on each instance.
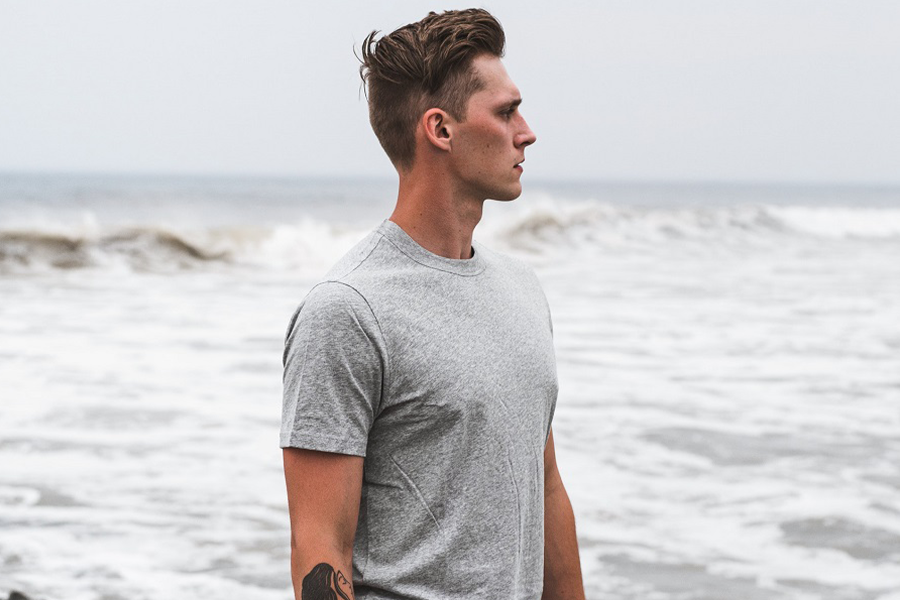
(323, 500)
(562, 567)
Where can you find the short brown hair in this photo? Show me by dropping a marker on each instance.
(427, 64)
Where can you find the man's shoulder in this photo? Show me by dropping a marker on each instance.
(510, 266)
(379, 264)
(357, 257)
(336, 292)
(502, 260)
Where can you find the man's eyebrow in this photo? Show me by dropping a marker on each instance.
(511, 104)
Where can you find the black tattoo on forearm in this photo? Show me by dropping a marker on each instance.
(324, 583)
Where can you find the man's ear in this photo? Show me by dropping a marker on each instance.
(438, 126)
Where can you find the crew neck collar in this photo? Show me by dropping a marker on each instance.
(461, 266)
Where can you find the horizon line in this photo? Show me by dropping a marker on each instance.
(562, 181)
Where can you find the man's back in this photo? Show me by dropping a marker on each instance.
(441, 373)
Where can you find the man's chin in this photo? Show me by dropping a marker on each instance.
(507, 195)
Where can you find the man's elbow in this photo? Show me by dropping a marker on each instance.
(307, 543)
(553, 485)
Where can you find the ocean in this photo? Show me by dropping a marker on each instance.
(728, 425)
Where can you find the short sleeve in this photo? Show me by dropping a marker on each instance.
(334, 364)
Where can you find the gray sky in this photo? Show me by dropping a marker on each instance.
(784, 90)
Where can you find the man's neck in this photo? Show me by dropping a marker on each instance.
(439, 219)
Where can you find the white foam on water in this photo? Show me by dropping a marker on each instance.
(541, 227)
(841, 222)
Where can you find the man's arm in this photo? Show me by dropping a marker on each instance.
(323, 499)
(562, 568)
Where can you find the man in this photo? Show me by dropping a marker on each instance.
(420, 379)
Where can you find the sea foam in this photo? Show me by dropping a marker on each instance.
(310, 243)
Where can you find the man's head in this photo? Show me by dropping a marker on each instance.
(427, 64)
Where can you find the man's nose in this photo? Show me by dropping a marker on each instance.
(525, 137)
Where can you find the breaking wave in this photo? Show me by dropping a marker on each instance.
(315, 244)
(610, 227)
(138, 248)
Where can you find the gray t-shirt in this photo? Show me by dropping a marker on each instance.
(441, 373)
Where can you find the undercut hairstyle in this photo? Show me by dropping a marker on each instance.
(424, 65)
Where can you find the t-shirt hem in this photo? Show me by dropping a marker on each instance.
(322, 444)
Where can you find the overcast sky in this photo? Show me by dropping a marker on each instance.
(782, 90)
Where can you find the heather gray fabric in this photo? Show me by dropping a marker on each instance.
(441, 373)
